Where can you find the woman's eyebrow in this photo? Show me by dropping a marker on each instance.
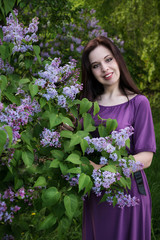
(97, 62)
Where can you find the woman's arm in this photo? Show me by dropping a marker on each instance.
(144, 157)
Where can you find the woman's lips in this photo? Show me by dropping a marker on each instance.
(108, 76)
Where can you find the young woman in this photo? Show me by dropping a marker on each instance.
(106, 80)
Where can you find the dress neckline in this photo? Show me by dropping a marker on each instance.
(102, 106)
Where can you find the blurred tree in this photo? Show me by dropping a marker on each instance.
(137, 22)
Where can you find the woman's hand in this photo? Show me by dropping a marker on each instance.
(65, 126)
(96, 166)
(144, 157)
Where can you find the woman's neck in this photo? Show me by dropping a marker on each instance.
(112, 97)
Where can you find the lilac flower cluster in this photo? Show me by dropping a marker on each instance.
(7, 156)
(7, 215)
(22, 37)
(109, 144)
(6, 68)
(122, 135)
(9, 197)
(54, 75)
(50, 138)
(73, 181)
(17, 116)
(103, 180)
(123, 200)
(99, 144)
(129, 166)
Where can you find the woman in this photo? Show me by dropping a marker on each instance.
(106, 80)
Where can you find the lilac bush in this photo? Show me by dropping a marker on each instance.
(20, 36)
(74, 35)
(36, 156)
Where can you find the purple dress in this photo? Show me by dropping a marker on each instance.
(101, 221)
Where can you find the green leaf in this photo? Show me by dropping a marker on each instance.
(4, 51)
(28, 63)
(114, 201)
(40, 182)
(85, 105)
(3, 139)
(3, 83)
(10, 134)
(102, 131)
(26, 137)
(54, 163)
(109, 168)
(12, 98)
(84, 145)
(33, 88)
(27, 158)
(1, 32)
(74, 170)
(84, 181)
(63, 168)
(50, 196)
(63, 226)
(8, 5)
(88, 123)
(18, 183)
(96, 108)
(47, 223)
(71, 205)
(43, 102)
(128, 182)
(66, 120)
(128, 143)
(74, 158)
(123, 182)
(57, 154)
(54, 120)
(66, 134)
(76, 138)
(67, 147)
(24, 81)
(37, 52)
(111, 125)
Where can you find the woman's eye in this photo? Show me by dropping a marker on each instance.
(95, 66)
(109, 59)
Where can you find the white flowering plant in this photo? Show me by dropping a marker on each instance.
(36, 156)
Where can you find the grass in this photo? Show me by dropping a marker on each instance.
(153, 176)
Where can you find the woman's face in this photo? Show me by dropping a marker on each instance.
(104, 66)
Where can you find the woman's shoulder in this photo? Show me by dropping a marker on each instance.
(141, 101)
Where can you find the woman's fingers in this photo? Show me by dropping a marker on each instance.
(65, 126)
(73, 119)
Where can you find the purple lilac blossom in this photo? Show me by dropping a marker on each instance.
(113, 156)
(103, 160)
(50, 138)
(122, 135)
(16, 33)
(17, 116)
(7, 213)
(100, 144)
(6, 68)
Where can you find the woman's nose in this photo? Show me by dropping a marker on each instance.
(104, 67)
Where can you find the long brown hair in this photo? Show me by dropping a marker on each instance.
(91, 87)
